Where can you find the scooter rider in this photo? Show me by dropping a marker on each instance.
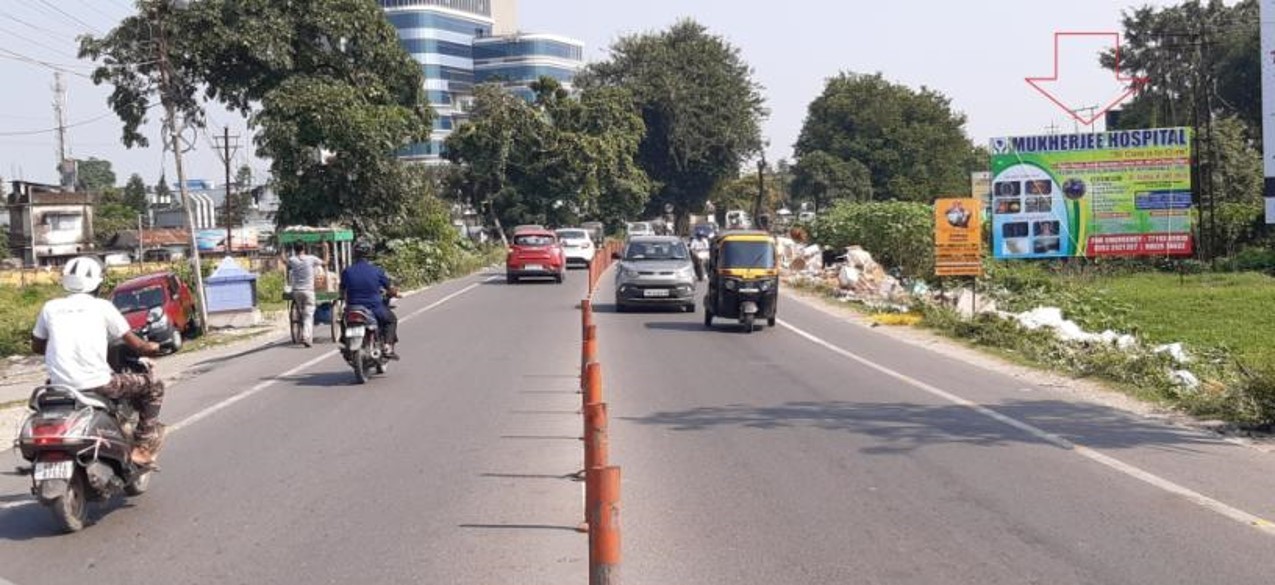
(365, 284)
(699, 247)
(74, 334)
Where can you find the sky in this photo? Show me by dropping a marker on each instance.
(978, 53)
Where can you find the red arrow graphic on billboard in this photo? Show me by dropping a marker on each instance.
(1123, 86)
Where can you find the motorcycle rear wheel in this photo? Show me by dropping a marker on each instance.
(360, 365)
(71, 509)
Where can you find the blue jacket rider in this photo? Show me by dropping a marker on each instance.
(365, 284)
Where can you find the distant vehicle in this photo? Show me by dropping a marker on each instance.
(527, 228)
(806, 216)
(535, 253)
(597, 231)
(738, 219)
(655, 270)
(158, 307)
(576, 245)
(640, 228)
(117, 259)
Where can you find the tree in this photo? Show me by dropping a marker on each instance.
(1181, 49)
(558, 160)
(163, 193)
(243, 178)
(701, 108)
(313, 75)
(109, 219)
(94, 175)
(823, 179)
(911, 142)
(135, 194)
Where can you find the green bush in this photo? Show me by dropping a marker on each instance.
(897, 233)
(19, 307)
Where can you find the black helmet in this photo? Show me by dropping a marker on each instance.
(362, 249)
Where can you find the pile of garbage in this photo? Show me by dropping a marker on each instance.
(856, 276)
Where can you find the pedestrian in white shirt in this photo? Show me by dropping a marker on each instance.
(301, 269)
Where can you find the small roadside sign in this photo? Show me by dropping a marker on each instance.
(958, 237)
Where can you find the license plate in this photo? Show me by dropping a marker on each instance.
(54, 470)
(655, 292)
(354, 332)
(533, 267)
(749, 291)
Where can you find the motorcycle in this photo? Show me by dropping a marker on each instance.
(701, 264)
(362, 344)
(80, 445)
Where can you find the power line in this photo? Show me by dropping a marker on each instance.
(34, 27)
(92, 5)
(61, 52)
(9, 54)
(73, 125)
(55, 8)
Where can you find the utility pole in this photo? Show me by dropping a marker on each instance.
(59, 115)
(160, 11)
(227, 156)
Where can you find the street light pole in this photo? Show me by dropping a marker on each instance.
(761, 186)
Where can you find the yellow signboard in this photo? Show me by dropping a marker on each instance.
(958, 237)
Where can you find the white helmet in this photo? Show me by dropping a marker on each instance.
(82, 275)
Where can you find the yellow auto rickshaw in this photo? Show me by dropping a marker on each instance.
(743, 279)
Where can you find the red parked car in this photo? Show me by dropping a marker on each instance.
(158, 307)
(535, 252)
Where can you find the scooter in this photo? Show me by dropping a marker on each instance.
(81, 444)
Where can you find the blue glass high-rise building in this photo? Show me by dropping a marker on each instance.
(518, 59)
(462, 42)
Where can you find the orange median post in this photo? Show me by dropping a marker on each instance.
(589, 349)
(592, 383)
(586, 315)
(596, 449)
(604, 527)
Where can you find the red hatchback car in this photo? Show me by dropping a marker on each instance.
(535, 253)
(158, 307)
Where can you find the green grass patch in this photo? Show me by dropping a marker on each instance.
(19, 307)
(1233, 313)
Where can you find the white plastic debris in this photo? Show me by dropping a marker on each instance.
(1185, 379)
(1175, 351)
(848, 276)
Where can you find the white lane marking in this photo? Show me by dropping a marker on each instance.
(264, 384)
(1108, 461)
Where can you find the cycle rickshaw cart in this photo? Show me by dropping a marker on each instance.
(334, 245)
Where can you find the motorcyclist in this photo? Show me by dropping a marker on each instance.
(74, 334)
(699, 247)
(366, 284)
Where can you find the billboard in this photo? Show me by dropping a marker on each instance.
(958, 237)
(214, 240)
(1117, 193)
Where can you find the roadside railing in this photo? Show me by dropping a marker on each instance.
(601, 480)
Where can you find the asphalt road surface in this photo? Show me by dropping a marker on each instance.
(815, 452)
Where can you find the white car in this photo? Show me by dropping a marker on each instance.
(577, 244)
(640, 228)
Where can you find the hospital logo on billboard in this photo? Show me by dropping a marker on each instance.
(1000, 145)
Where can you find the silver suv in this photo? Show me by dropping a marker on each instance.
(655, 270)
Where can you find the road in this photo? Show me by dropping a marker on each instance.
(816, 452)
